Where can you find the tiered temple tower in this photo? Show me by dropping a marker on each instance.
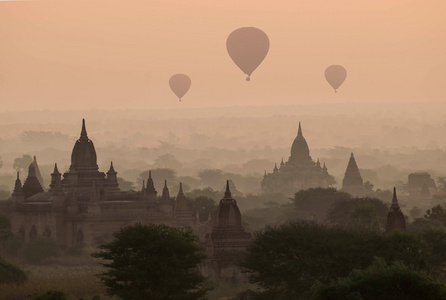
(395, 218)
(226, 244)
(353, 183)
(298, 173)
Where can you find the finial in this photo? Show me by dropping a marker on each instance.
(228, 191)
(351, 155)
(34, 159)
(18, 178)
(150, 174)
(165, 183)
(111, 166)
(299, 131)
(84, 130)
(55, 168)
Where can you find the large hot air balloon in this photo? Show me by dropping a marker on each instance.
(179, 84)
(247, 46)
(335, 76)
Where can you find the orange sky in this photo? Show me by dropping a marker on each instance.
(121, 54)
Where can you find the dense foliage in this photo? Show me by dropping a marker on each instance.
(313, 203)
(384, 282)
(152, 262)
(364, 212)
(10, 273)
(51, 295)
(285, 261)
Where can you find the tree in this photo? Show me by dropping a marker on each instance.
(204, 205)
(167, 161)
(212, 178)
(364, 212)
(125, 185)
(22, 163)
(383, 281)
(51, 295)
(286, 260)
(152, 262)
(9, 273)
(313, 203)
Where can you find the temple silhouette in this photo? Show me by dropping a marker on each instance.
(352, 182)
(300, 172)
(85, 206)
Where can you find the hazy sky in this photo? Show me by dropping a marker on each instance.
(120, 54)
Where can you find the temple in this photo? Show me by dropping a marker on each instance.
(226, 243)
(298, 173)
(85, 205)
(352, 182)
(395, 218)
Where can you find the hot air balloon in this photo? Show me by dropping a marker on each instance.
(335, 76)
(179, 84)
(247, 46)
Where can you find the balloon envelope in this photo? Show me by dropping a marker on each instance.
(247, 47)
(179, 84)
(335, 75)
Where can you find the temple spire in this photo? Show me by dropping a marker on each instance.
(299, 131)
(55, 169)
(166, 195)
(111, 167)
(83, 131)
(228, 191)
(395, 206)
(180, 192)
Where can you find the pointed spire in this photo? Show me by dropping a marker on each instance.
(166, 195)
(275, 168)
(55, 169)
(83, 131)
(282, 163)
(150, 174)
(299, 131)
(180, 192)
(34, 159)
(395, 206)
(228, 191)
(18, 191)
(111, 167)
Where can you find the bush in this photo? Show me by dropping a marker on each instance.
(12, 246)
(39, 249)
(382, 281)
(51, 295)
(10, 273)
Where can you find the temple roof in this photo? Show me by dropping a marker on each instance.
(181, 204)
(83, 157)
(228, 214)
(32, 185)
(299, 149)
(352, 176)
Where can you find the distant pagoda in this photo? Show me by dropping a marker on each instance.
(395, 218)
(300, 172)
(353, 183)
